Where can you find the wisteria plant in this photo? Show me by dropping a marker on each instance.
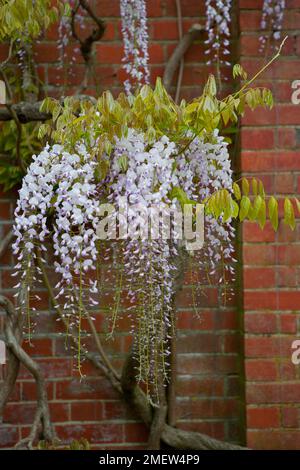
(142, 149)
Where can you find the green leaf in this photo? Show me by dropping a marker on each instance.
(261, 215)
(210, 86)
(245, 206)
(238, 71)
(236, 191)
(245, 186)
(179, 194)
(257, 205)
(254, 186)
(123, 163)
(289, 215)
(261, 189)
(273, 212)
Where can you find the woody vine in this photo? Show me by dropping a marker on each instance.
(140, 147)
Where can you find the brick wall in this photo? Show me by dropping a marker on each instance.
(210, 389)
(270, 147)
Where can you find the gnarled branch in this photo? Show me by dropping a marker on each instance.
(175, 59)
(176, 438)
(12, 332)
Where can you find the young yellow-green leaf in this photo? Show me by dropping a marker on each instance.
(261, 215)
(245, 186)
(179, 194)
(289, 215)
(273, 212)
(238, 71)
(245, 206)
(236, 191)
(267, 97)
(257, 205)
(123, 163)
(261, 189)
(210, 86)
(254, 186)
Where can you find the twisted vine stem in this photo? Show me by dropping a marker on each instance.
(13, 338)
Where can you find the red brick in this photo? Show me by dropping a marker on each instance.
(204, 408)
(253, 233)
(86, 389)
(109, 53)
(258, 139)
(261, 369)
(255, 277)
(166, 29)
(273, 392)
(267, 346)
(262, 254)
(135, 432)
(286, 138)
(276, 439)
(260, 323)
(99, 432)
(38, 347)
(87, 411)
(206, 364)
(263, 418)
(187, 320)
(288, 323)
(289, 300)
(196, 386)
(257, 300)
(287, 370)
(250, 45)
(288, 255)
(291, 417)
(284, 183)
(45, 53)
(287, 276)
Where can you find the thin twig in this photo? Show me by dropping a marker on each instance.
(181, 65)
(105, 364)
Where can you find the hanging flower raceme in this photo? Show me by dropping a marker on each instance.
(271, 20)
(135, 40)
(60, 187)
(141, 178)
(210, 162)
(218, 29)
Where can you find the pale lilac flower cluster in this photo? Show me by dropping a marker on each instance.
(59, 186)
(209, 161)
(65, 33)
(135, 40)
(218, 29)
(151, 173)
(148, 265)
(60, 199)
(272, 18)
